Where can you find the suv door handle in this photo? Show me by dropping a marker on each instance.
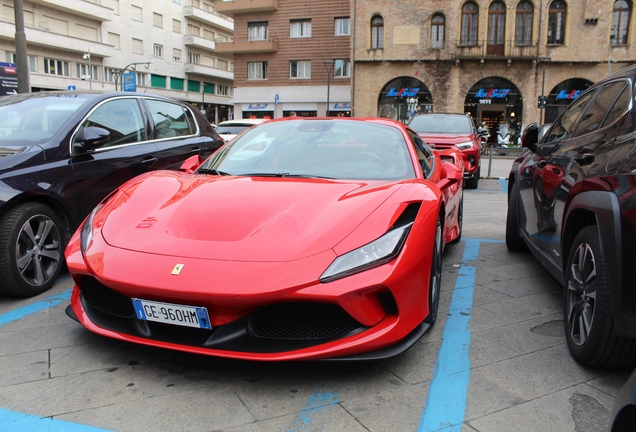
(148, 161)
(585, 157)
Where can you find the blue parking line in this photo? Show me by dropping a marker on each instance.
(18, 422)
(315, 412)
(25, 311)
(504, 184)
(446, 402)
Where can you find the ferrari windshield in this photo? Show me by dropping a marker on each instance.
(337, 149)
(30, 120)
(441, 123)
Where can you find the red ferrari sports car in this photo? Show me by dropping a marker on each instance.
(301, 239)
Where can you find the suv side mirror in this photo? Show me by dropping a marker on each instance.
(530, 137)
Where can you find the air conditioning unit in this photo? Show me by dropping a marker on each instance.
(85, 77)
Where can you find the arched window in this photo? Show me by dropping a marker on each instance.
(496, 28)
(437, 31)
(620, 22)
(377, 32)
(470, 17)
(556, 22)
(525, 16)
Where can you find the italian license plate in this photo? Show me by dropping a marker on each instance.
(188, 316)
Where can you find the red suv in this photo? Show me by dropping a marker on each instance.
(446, 130)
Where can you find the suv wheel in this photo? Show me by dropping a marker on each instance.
(589, 325)
(514, 241)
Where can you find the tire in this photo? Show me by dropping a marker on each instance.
(32, 239)
(435, 284)
(473, 182)
(587, 308)
(514, 241)
(460, 219)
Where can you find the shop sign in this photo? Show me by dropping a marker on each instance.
(404, 92)
(342, 106)
(572, 95)
(8, 78)
(257, 106)
(493, 93)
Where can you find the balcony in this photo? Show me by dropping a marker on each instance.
(509, 50)
(209, 17)
(87, 9)
(199, 42)
(230, 8)
(58, 42)
(270, 45)
(208, 71)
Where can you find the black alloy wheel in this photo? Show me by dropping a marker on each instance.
(32, 239)
(589, 325)
(514, 241)
(435, 285)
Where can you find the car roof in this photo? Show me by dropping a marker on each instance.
(242, 122)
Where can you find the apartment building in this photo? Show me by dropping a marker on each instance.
(169, 45)
(492, 59)
(289, 55)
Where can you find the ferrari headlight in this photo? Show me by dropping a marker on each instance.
(374, 254)
(86, 235)
(464, 145)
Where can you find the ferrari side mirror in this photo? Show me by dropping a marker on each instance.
(191, 164)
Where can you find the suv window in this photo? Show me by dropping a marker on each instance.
(171, 120)
(122, 118)
(620, 107)
(424, 154)
(441, 123)
(598, 108)
(564, 125)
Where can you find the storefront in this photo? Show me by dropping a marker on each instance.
(495, 102)
(258, 110)
(562, 95)
(340, 110)
(402, 96)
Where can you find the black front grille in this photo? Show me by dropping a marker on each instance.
(106, 300)
(300, 321)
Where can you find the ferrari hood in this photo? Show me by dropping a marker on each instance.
(239, 218)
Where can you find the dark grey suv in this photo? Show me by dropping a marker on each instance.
(572, 202)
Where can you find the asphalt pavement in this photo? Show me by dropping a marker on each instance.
(496, 360)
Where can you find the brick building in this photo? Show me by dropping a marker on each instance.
(280, 48)
(492, 59)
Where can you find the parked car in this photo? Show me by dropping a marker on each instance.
(572, 202)
(446, 130)
(623, 417)
(230, 128)
(303, 238)
(61, 153)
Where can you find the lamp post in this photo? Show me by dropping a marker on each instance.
(203, 98)
(135, 69)
(543, 97)
(116, 75)
(329, 66)
(87, 56)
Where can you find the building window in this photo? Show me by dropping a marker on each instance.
(377, 32)
(176, 26)
(437, 31)
(300, 69)
(208, 34)
(57, 67)
(157, 20)
(496, 28)
(115, 40)
(341, 68)
(176, 55)
(257, 70)
(136, 13)
(177, 83)
(141, 79)
(158, 81)
(157, 51)
(525, 16)
(470, 18)
(33, 61)
(193, 30)
(620, 22)
(112, 75)
(137, 46)
(222, 64)
(342, 27)
(300, 28)
(83, 71)
(194, 58)
(221, 90)
(556, 22)
(257, 31)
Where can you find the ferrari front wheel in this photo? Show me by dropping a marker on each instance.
(435, 284)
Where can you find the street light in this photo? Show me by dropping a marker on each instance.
(329, 66)
(543, 97)
(202, 98)
(116, 74)
(134, 69)
(87, 56)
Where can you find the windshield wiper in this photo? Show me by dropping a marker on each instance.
(212, 171)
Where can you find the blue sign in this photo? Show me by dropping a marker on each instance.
(130, 82)
(71, 88)
(404, 92)
(276, 99)
(261, 106)
(493, 93)
(572, 95)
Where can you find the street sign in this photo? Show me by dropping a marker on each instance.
(276, 99)
(8, 78)
(130, 82)
(71, 87)
(541, 103)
